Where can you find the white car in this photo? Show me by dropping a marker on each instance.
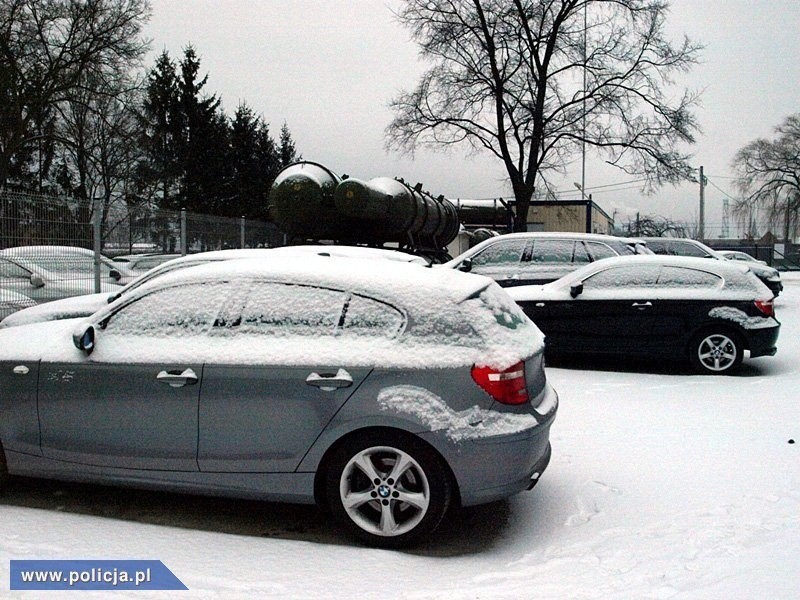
(11, 302)
(741, 256)
(85, 305)
(28, 278)
(534, 258)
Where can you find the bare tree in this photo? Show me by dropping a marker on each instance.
(769, 172)
(48, 49)
(508, 78)
(655, 226)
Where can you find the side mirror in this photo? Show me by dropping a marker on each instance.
(83, 337)
(576, 289)
(37, 281)
(115, 275)
(466, 265)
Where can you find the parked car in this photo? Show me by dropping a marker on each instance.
(85, 305)
(11, 301)
(706, 311)
(25, 277)
(68, 262)
(536, 258)
(384, 391)
(741, 256)
(688, 247)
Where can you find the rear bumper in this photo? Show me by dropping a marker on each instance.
(498, 466)
(763, 342)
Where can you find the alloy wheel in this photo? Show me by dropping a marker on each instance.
(717, 352)
(384, 491)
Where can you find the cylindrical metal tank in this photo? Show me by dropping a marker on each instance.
(398, 212)
(493, 214)
(301, 201)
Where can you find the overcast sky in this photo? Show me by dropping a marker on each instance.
(329, 68)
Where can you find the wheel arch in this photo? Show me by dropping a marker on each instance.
(721, 326)
(319, 476)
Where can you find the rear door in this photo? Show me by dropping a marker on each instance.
(501, 260)
(686, 300)
(302, 341)
(549, 260)
(613, 314)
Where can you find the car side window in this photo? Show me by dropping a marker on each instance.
(687, 249)
(179, 311)
(658, 246)
(552, 251)
(624, 277)
(600, 251)
(687, 278)
(581, 254)
(504, 253)
(372, 318)
(284, 310)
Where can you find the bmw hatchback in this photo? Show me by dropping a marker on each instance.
(707, 311)
(384, 391)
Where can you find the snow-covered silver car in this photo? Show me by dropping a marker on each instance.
(11, 302)
(385, 391)
(26, 277)
(532, 258)
(688, 247)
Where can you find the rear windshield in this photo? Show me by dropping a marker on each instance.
(509, 335)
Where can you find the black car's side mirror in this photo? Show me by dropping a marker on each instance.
(83, 338)
(37, 281)
(466, 265)
(576, 289)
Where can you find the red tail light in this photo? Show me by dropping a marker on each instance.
(507, 386)
(766, 307)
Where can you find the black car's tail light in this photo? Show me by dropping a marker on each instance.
(506, 386)
(767, 307)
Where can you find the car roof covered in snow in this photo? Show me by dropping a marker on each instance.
(407, 283)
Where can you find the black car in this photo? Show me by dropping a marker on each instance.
(707, 311)
(688, 247)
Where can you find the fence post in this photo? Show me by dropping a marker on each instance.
(97, 223)
(183, 232)
(241, 232)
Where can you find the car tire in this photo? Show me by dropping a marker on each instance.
(716, 351)
(387, 489)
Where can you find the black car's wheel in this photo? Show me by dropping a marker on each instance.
(716, 352)
(387, 489)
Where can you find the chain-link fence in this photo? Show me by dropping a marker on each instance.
(52, 248)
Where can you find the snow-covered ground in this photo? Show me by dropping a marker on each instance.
(663, 484)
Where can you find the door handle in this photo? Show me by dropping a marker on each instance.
(176, 380)
(329, 383)
(642, 304)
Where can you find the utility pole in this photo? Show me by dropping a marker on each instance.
(583, 141)
(702, 230)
